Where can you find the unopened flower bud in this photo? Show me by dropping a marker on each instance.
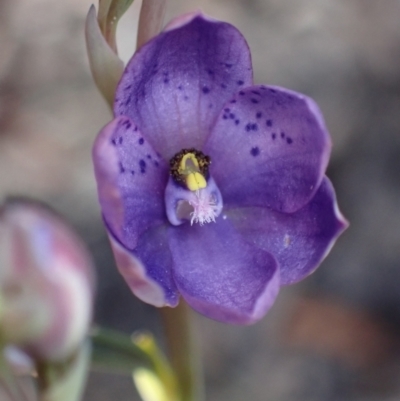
(46, 282)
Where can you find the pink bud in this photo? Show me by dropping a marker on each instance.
(46, 282)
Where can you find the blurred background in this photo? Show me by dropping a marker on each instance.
(333, 337)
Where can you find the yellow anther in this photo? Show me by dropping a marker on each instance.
(189, 168)
(188, 164)
(195, 181)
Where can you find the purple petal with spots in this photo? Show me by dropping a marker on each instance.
(220, 275)
(175, 85)
(131, 179)
(147, 271)
(299, 241)
(269, 148)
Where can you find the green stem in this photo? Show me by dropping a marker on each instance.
(183, 351)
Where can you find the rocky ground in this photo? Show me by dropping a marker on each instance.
(334, 337)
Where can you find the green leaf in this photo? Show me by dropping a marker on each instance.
(160, 382)
(149, 385)
(138, 356)
(114, 351)
(104, 6)
(110, 12)
(105, 65)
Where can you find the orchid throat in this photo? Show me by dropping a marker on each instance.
(191, 193)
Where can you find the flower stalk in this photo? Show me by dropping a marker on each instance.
(183, 352)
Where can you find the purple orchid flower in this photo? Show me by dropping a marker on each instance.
(212, 187)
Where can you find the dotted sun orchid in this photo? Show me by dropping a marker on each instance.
(211, 187)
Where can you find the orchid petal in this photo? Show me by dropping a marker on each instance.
(220, 275)
(269, 148)
(147, 270)
(299, 241)
(176, 84)
(131, 181)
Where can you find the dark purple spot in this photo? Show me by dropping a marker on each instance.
(255, 151)
(241, 93)
(233, 101)
(237, 122)
(269, 123)
(210, 106)
(282, 134)
(227, 65)
(166, 80)
(128, 87)
(156, 163)
(127, 101)
(256, 92)
(132, 172)
(240, 82)
(259, 114)
(223, 86)
(113, 141)
(149, 157)
(142, 165)
(273, 135)
(210, 72)
(272, 90)
(206, 89)
(248, 127)
(180, 87)
(289, 140)
(225, 117)
(120, 140)
(135, 129)
(121, 168)
(185, 98)
(254, 127)
(255, 101)
(232, 116)
(141, 141)
(227, 110)
(127, 124)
